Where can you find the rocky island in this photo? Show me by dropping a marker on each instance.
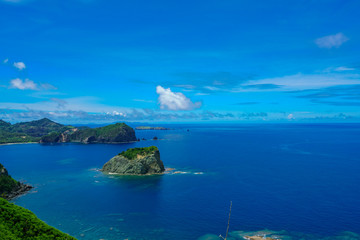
(136, 161)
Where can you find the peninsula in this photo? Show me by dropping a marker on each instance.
(114, 133)
(136, 161)
(47, 131)
(9, 187)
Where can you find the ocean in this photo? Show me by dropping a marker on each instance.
(295, 181)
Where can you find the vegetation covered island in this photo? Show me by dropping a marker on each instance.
(136, 161)
(47, 131)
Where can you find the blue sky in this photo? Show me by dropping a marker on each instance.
(180, 61)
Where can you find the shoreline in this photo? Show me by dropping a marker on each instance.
(4, 144)
(22, 190)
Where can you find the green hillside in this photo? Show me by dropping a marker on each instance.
(19, 223)
(28, 131)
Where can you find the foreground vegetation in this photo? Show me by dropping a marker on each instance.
(19, 223)
(133, 152)
(7, 183)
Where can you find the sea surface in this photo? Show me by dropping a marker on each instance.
(296, 181)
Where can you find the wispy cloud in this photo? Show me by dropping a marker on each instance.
(303, 81)
(209, 82)
(174, 100)
(28, 84)
(113, 116)
(19, 65)
(143, 100)
(331, 41)
(264, 86)
(246, 103)
(23, 85)
(335, 96)
(6, 61)
(341, 69)
(61, 103)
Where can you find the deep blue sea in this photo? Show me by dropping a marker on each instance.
(297, 181)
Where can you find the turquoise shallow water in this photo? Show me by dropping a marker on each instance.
(296, 180)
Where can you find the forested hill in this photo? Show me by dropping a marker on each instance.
(29, 131)
(47, 131)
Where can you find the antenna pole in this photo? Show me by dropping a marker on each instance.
(227, 229)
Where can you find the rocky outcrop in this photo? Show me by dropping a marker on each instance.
(136, 161)
(10, 188)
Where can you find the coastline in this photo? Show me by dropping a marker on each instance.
(23, 189)
(4, 144)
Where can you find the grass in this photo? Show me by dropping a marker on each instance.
(133, 152)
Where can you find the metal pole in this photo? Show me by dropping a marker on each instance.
(227, 229)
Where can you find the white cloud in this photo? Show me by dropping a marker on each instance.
(174, 100)
(23, 85)
(6, 61)
(143, 100)
(331, 41)
(304, 81)
(28, 84)
(19, 65)
(290, 116)
(116, 113)
(47, 86)
(340, 69)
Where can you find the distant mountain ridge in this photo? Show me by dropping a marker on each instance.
(47, 131)
(29, 131)
(114, 133)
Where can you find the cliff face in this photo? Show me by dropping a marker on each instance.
(10, 188)
(136, 161)
(114, 133)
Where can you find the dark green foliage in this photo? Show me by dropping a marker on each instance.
(7, 183)
(19, 223)
(133, 152)
(119, 132)
(47, 131)
(28, 131)
(51, 137)
(40, 127)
